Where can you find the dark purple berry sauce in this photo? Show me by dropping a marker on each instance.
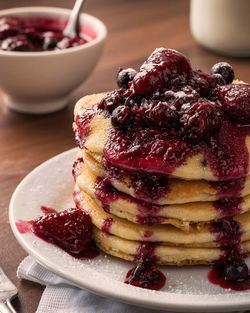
(77, 167)
(227, 231)
(228, 206)
(105, 193)
(146, 187)
(82, 122)
(146, 274)
(148, 214)
(234, 276)
(230, 188)
(167, 112)
(230, 271)
(71, 230)
(107, 223)
(38, 34)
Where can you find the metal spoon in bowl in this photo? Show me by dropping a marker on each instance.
(71, 28)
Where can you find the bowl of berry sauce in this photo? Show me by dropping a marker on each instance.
(40, 66)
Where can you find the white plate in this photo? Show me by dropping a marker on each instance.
(187, 289)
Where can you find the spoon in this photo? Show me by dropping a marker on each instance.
(71, 28)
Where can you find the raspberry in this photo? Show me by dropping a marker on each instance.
(71, 230)
(161, 66)
(235, 101)
(200, 121)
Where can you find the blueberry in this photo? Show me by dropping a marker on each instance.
(125, 76)
(200, 121)
(218, 80)
(120, 116)
(235, 271)
(225, 70)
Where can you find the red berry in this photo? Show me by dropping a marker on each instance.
(235, 100)
(156, 114)
(161, 66)
(200, 121)
(111, 101)
(71, 230)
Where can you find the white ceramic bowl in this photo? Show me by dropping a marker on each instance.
(41, 82)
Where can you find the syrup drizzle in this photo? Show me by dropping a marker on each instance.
(216, 277)
(146, 274)
(228, 269)
(230, 188)
(227, 231)
(77, 167)
(107, 223)
(83, 120)
(228, 206)
(146, 187)
(106, 194)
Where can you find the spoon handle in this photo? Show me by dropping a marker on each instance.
(70, 29)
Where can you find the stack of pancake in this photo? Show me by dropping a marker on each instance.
(188, 217)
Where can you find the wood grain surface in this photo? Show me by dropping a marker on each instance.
(135, 28)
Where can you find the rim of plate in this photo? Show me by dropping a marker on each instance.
(117, 290)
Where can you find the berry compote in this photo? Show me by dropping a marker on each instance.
(167, 112)
(146, 274)
(71, 230)
(36, 34)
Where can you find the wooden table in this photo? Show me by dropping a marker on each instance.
(135, 28)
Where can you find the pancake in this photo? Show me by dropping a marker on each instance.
(165, 255)
(163, 169)
(199, 235)
(179, 215)
(196, 167)
(177, 190)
